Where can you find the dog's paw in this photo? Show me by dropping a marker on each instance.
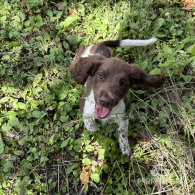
(91, 125)
(91, 129)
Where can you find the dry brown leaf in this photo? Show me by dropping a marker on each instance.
(85, 174)
(189, 4)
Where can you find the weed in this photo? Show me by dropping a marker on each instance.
(44, 148)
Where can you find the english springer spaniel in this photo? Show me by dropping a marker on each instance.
(107, 80)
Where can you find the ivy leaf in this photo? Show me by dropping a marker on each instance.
(95, 177)
(86, 161)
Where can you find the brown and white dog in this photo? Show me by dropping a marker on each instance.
(107, 80)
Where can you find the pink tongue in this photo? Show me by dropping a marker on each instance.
(102, 111)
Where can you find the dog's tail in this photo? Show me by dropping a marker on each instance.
(129, 42)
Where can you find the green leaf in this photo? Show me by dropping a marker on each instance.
(155, 102)
(18, 152)
(6, 128)
(65, 143)
(95, 177)
(6, 58)
(106, 168)
(77, 148)
(78, 145)
(72, 39)
(165, 139)
(23, 140)
(50, 13)
(22, 187)
(13, 121)
(7, 166)
(16, 19)
(11, 114)
(191, 50)
(81, 9)
(167, 49)
(159, 23)
(89, 148)
(155, 71)
(68, 21)
(86, 161)
(3, 19)
(37, 114)
(144, 64)
(71, 168)
(4, 99)
(21, 105)
(43, 159)
(101, 152)
(37, 79)
(187, 78)
(2, 145)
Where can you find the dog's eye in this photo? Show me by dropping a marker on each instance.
(101, 77)
(123, 82)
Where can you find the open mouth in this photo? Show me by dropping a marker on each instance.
(101, 111)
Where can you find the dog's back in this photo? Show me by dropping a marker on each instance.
(102, 48)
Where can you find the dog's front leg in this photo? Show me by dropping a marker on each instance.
(123, 137)
(90, 123)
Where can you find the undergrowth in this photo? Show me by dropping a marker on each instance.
(44, 148)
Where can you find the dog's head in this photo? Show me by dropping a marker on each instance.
(111, 79)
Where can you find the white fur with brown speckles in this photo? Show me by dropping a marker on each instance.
(117, 115)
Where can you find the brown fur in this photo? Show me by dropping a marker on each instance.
(110, 76)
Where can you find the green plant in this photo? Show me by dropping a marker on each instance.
(44, 148)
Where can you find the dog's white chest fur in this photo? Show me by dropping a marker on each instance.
(89, 109)
(89, 106)
(117, 115)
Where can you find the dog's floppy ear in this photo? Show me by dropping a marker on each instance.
(139, 76)
(79, 52)
(84, 67)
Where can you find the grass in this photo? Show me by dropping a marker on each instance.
(44, 148)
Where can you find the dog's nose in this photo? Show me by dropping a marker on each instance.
(106, 101)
